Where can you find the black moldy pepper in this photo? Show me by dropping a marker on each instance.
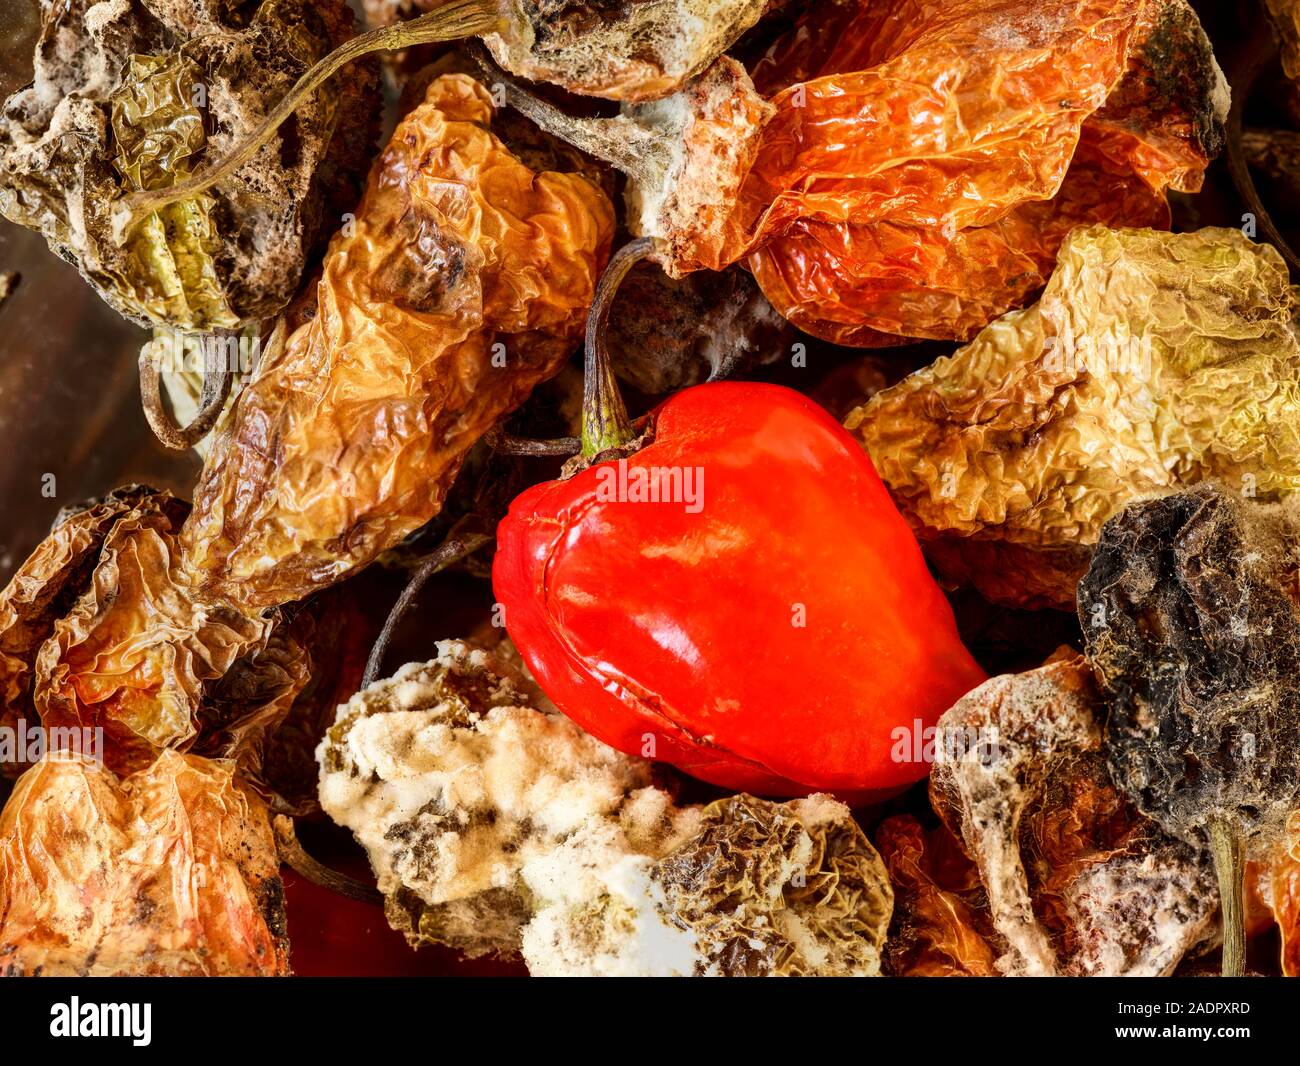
(1196, 646)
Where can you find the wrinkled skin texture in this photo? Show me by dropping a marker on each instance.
(1153, 361)
(99, 628)
(1282, 878)
(941, 927)
(722, 881)
(171, 871)
(349, 439)
(1197, 650)
(45, 588)
(1078, 882)
(843, 637)
(496, 825)
(1285, 16)
(920, 175)
(129, 95)
(135, 653)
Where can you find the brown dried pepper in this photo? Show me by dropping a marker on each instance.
(463, 282)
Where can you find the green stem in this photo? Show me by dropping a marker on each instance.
(453, 21)
(605, 424)
(1229, 865)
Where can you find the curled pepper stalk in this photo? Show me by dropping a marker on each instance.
(452, 22)
(627, 147)
(212, 400)
(452, 550)
(1261, 54)
(605, 423)
(295, 856)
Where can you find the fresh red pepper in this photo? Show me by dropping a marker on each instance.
(768, 625)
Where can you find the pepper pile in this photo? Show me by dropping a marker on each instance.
(724, 704)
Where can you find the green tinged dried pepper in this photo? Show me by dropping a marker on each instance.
(130, 96)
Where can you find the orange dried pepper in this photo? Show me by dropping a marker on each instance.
(463, 282)
(921, 177)
(170, 871)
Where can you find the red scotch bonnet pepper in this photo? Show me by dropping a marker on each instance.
(739, 598)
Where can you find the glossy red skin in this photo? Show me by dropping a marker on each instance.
(641, 619)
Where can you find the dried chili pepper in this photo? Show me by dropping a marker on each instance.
(1197, 649)
(1153, 361)
(42, 591)
(100, 629)
(136, 652)
(134, 96)
(1281, 875)
(1078, 882)
(496, 825)
(739, 493)
(630, 52)
(859, 226)
(462, 285)
(170, 871)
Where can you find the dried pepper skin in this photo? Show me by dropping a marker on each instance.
(1153, 361)
(494, 824)
(1077, 881)
(859, 224)
(136, 95)
(940, 929)
(1282, 880)
(135, 654)
(722, 881)
(44, 588)
(1197, 649)
(461, 260)
(170, 871)
(99, 628)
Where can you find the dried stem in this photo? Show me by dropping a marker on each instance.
(508, 444)
(294, 856)
(212, 399)
(1229, 865)
(452, 22)
(448, 553)
(622, 144)
(605, 424)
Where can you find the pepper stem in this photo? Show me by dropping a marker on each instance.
(450, 551)
(453, 21)
(617, 141)
(1229, 860)
(605, 424)
(294, 855)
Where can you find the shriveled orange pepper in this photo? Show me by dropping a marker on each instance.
(463, 282)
